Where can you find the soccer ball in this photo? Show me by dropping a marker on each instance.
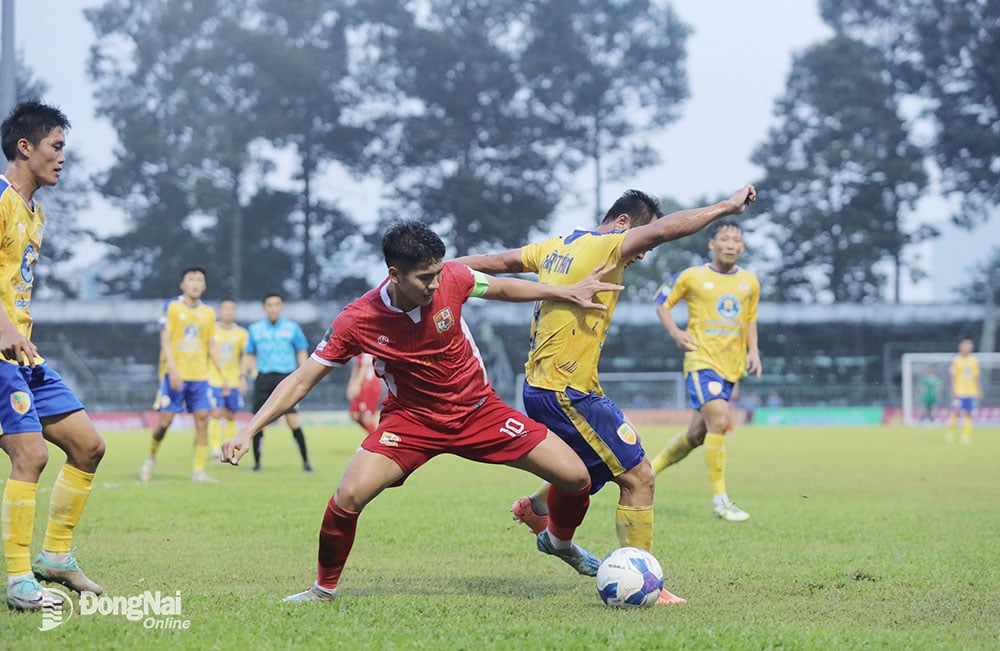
(629, 577)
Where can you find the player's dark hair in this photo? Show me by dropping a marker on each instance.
(32, 121)
(639, 206)
(272, 295)
(410, 244)
(191, 270)
(724, 223)
(227, 300)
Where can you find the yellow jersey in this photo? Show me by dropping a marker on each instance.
(566, 340)
(232, 342)
(21, 229)
(965, 376)
(720, 307)
(189, 329)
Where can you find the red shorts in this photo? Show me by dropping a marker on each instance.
(493, 433)
(369, 400)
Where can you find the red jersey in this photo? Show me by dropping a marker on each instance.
(426, 356)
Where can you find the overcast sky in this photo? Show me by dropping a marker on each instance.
(739, 56)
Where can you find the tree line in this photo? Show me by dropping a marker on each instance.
(475, 115)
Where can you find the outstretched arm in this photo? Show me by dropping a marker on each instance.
(506, 262)
(286, 395)
(582, 293)
(683, 223)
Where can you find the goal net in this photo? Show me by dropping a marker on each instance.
(649, 390)
(927, 388)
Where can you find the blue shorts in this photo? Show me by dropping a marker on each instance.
(706, 385)
(194, 395)
(964, 404)
(592, 425)
(32, 394)
(232, 402)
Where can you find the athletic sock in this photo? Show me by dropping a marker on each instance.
(715, 459)
(69, 497)
(676, 449)
(18, 525)
(200, 455)
(300, 440)
(336, 537)
(214, 433)
(566, 511)
(258, 444)
(634, 526)
(967, 428)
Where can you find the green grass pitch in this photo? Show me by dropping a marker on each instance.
(864, 537)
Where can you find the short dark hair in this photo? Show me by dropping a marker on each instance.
(410, 244)
(724, 223)
(32, 121)
(191, 270)
(639, 206)
(272, 295)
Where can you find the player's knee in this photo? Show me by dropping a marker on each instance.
(30, 461)
(574, 478)
(95, 452)
(639, 479)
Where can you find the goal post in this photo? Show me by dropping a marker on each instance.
(922, 405)
(641, 390)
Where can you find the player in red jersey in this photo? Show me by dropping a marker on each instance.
(439, 398)
(364, 390)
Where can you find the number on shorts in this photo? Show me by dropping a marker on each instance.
(513, 428)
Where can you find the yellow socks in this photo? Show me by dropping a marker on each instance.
(200, 455)
(230, 429)
(69, 496)
(215, 433)
(634, 525)
(715, 458)
(967, 428)
(18, 525)
(676, 449)
(153, 447)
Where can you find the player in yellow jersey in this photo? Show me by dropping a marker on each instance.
(187, 349)
(228, 385)
(720, 347)
(561, 386)
(965, 390)
(37, 405)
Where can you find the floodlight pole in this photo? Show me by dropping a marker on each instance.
(8, 87)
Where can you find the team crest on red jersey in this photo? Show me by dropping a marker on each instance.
(444, 319)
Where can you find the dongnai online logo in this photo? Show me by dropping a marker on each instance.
(154, 609)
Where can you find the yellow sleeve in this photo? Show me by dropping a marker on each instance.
(677, 293)
(754, 300)
(531, 256)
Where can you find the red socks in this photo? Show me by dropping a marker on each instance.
(336, 537)
(566, 510)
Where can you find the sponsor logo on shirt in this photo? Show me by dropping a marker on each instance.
(728, 306)
(444, 319)
(627, 434)
(20, 401)
(390, 440)
(28, 263)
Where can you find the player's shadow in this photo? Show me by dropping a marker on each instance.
(494, 585)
